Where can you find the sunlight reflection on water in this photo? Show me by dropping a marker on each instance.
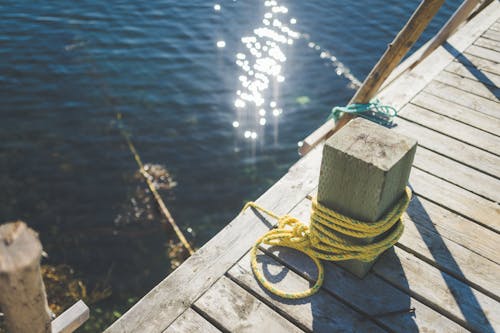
(257, 100)
(261, 72)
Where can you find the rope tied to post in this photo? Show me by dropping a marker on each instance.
(375, 111)
(321, 240)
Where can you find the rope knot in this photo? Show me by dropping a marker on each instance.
(298, 231)
(374, 110)
(324, 238)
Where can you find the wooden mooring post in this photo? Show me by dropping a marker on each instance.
(22, 293)
(364, 171)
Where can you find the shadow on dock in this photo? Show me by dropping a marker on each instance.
(462, 292)
(384, 297)
(476, 72)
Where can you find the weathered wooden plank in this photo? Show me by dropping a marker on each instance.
(483, 53)
(71, 319)
(481, 64)
(459, 151)
(488, 44)
(461, 201)
(495, 26)
(466, 84)
(458, 174)
(451, 128)
(396, 50)
(473, 73)
(22, 293)
(471, 101)
(171, 297)
(316, 137)
(319, 313)
(449, 256)
(191, 322)
(439, 290)
(421, 236)
(410, 83)
(364, 170)
(492, 34)
(403, 89)
(460, 230)
(460, 15)
(406, 64)
(371, 296)
(458, 112)
(236, 310)
(456, 228)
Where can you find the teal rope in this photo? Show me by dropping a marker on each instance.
(374, 111)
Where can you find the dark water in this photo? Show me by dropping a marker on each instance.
(219, 95)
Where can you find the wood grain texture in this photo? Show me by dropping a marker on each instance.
(441, 291)
(236, 310)
(409, 84)
(463, 202)
(451, 128)
(458, 17)
(445, 263)
(484, 53)
(467, 266)
(495, 27)
(468, 100)
(458, 112)
(470, 85)
(191, 322)
(455, 228)
(488, 44)
(171, 297)
(319, 313)
(71, 319)
(449, 225)
(440, 248)
(492, 34)
(481, 64)
(371, 296)
(452, 148)
(470, 72)
(374, 297)
(22, 293)
(458, 174)
(316, 137)
(397, 50)
(364, 171)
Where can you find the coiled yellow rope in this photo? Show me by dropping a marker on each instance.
(320, 240)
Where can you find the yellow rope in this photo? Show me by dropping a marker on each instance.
(321, 239)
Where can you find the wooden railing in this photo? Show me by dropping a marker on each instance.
(395, 52)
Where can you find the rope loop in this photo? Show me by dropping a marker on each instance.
(375, 111)
(325, 238)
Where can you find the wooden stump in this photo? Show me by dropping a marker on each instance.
(364, 171)
(22, 292)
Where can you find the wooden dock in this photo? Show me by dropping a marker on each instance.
(444, 273)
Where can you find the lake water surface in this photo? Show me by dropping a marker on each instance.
(219, 93)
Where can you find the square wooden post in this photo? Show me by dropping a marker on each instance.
(364, 171)
(22, 292)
